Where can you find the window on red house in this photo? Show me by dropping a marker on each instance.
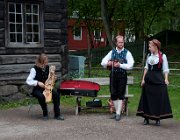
(97, 34)
(77, 33)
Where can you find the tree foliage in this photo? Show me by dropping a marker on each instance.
(141, 17)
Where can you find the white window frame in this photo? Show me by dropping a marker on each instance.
(24, 23)
(100, 33)
(129, 37)
(79, 37)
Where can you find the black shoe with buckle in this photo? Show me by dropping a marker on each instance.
(158, 122)
(146, 121)
(118, 117)
(60, 117)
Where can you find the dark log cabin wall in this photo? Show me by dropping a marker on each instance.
(15, 62)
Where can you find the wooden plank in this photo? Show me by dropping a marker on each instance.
(58, 8)
(22, 68)
(52, 25)
(52, 43)
(2, 6)
(54, 49)
(12, 82)
(2, 42)
(108, 96)
(28, 58)
(52, 30)
(24, 50)
(34, 50)
(2, 25)
(19, 77)
(1, 14)
(53, 17)
(2, 36)
(2, 50)
(52, 34)
(105, 80)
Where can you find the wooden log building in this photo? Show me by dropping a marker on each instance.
(28, 28)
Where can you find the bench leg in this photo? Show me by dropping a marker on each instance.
(30, 107)
(126, 106)
(78, 105)
(125, 111)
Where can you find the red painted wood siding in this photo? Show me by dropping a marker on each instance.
(83, 44)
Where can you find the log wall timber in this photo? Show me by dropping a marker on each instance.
(2, 25)
(21, 68)
(16, 62)
(18, 76)
(21, 59)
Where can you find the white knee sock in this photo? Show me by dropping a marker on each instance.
(115, 104)
(119, 106)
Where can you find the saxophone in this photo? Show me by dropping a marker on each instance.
(49, 84)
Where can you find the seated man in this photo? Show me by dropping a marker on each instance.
(37, 78)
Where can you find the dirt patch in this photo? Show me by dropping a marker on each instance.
(16, 124)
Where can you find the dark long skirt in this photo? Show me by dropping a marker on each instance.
(154, 102)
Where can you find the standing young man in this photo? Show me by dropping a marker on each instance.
(120, 60)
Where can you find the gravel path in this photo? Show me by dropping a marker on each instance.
(17, 124)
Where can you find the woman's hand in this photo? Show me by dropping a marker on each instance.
(166, 82)
(142, 82)
(41, 84)
(166, 78)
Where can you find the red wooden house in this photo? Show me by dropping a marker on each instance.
(78, 38)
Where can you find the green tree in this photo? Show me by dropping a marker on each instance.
(88, 12)
(141, 17)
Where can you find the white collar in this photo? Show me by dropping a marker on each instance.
(119, 50)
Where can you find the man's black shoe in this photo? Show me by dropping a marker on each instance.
(118, 117)
(59, 117)
(158, 122)
(45, 118)
(146, 121)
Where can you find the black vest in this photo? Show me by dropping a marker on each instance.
(41, 75)
(121, 57)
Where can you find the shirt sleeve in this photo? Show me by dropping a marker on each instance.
(165, 66)
(106, 59)
(130, 62)
(30, 79)
(146, 65)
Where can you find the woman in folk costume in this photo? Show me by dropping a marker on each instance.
(154, 102)
(121, 60)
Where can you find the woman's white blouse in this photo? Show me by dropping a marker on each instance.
(154, 59)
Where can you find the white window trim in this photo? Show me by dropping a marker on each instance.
(100, 33)
(77, 37)
(25, 44)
